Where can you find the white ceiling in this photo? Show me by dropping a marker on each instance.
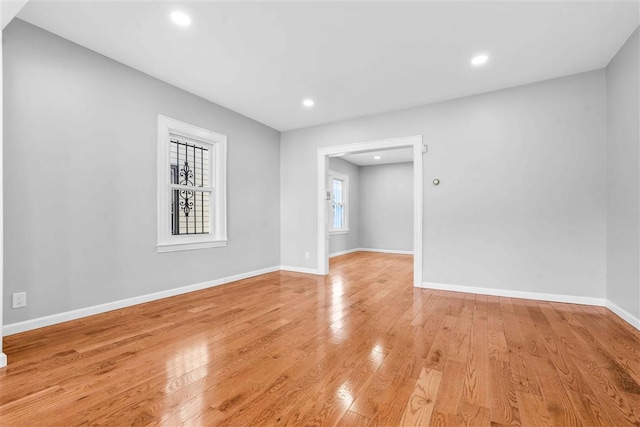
(368, 158)
(353, 58)
(9, 9)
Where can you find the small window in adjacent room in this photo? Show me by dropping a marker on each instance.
(339, 202)
(191, 187)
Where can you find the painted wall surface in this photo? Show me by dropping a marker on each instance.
(522, 204)
(10, 9)
(351, 240)
(3, 357)
(386, 207)
(80, 180)
(623, 177)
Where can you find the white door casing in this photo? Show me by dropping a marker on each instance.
(323, 166)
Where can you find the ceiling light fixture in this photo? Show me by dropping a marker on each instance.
(308, 102)
(479, 60)
(181, 19)
(377, 157)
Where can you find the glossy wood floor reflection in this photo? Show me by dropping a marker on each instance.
(359, 347)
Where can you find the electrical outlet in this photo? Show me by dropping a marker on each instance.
(306, 255)
(19, 300)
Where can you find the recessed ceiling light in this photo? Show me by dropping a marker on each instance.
(377, 157)
(181, 19)
(479, 60)
(308, 102)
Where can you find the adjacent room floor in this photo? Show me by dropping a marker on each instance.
(358, 347)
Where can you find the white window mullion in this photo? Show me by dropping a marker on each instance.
(339, 223)
(179, 187)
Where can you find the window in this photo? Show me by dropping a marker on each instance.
(191, 187)
(339, 202)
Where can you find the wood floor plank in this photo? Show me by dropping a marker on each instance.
(533, 410)
(622, 353)
(438, 352)
(524, 375)
(360, 346)
(473, 416)
(450, 394)
(557, 400)
(503, 403)
(607, 397)
(589, 415)
(421, 402)
(353, 419)
(459, 340)
(368, 402)
(476, 380)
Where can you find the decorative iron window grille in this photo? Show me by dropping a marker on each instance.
(190, 207)
(192, 187)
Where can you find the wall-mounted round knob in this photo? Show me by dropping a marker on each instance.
(436, 181)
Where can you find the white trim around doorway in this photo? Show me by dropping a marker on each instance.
(323, 155)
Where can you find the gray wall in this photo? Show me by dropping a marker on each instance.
(80, 180)
(623, 178)
(3, 357)
(380, 207)
(386, 207)
(522, 204)
(351, 240)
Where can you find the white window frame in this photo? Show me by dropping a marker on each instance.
(217, 143)
(345, 201)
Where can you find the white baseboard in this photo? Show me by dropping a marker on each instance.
(624, 314)
(53, 319)
(348, 251)
(571, 299)
(3, 360)
(299, 269)
(385, 251)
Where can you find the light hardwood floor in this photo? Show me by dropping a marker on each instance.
(358, 347)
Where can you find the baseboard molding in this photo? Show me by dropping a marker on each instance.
(623, 314)
(27, 325)
(571, 299)
(348, 251)
(385, 251)
(299, 269)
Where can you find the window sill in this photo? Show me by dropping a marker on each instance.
(173, 247)
(345, 231)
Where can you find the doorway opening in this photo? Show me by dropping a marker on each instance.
(323, 197)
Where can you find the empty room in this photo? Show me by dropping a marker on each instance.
(320, 213)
